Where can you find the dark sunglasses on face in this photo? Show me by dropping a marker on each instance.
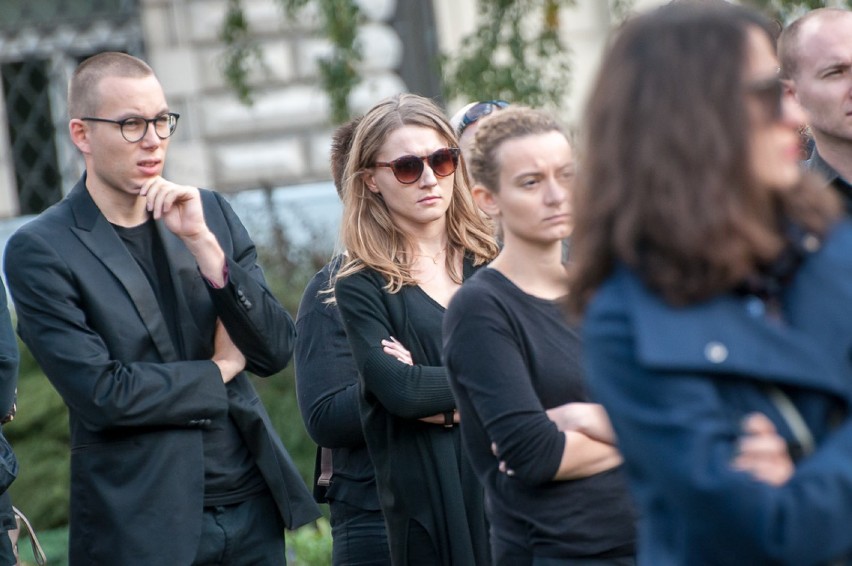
(479, 110)
(409, 168)
(770, 94)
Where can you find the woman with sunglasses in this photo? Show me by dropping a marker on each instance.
(716, 282)
(544, 453)
(413, 235)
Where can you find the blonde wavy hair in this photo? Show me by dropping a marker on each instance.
(369, 234)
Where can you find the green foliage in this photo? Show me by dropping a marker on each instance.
(515, 54)
(339, 20)
(339, 73)
(40, 437)
(240, 50)
(310, 545)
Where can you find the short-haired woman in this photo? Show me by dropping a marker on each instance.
(546, 456)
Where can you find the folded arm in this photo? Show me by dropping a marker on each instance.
(407, 391)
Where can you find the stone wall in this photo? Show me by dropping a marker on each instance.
(283, 137)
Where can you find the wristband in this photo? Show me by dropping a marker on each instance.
(448, 419)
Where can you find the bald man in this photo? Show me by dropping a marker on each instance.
(816, 63)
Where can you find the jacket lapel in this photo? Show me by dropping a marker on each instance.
(95, 232)
(730, 336)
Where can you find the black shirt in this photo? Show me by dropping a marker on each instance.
(230, 474)
(817, 164)
(511, 356)
(328, 389)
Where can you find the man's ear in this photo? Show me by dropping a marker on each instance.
(79, 132)
(485, 200)
(789, 86)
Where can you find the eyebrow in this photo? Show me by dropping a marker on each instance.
(836, 64)
(137, 115)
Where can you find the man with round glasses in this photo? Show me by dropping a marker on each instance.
(143, 303)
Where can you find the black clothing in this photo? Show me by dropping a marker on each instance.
(138, 403)
(427, 488)
(9, 359)
(843, 187)
(230, 475)
(510, 357)
(328, 390)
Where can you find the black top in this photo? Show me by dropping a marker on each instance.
(230, 475)
(842, 186)
(425, 482)
(510, 357)
(328, 389)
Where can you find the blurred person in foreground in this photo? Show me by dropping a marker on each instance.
(553, 479)
(328, 390)
(716, 283)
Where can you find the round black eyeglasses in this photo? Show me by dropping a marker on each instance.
(134, 128)
(409, 168)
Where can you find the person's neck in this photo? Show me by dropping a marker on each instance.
(121, 209)
(837, 152)
(429, 239)
(534, 268)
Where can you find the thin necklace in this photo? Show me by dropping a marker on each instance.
(434, 258)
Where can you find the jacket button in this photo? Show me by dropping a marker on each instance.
(716, 352)
(755, 307)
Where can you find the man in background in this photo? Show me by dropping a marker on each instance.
(816, 62)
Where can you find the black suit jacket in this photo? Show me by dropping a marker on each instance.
(137, 407)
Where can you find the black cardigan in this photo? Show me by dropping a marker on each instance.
(422, 475)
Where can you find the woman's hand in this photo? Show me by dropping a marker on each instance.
(587, 418)
(392, 347)
(762, 452)
(440, 419)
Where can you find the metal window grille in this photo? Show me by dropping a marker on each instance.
(41, 42)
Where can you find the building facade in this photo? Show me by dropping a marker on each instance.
(282, 138)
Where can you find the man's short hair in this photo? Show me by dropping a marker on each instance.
(788, 43)
(83, 94)
(341, 145)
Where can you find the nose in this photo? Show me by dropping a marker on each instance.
(555, 192)
(428, 178)
(151, 139)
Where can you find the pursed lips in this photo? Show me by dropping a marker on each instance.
(557, 217)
